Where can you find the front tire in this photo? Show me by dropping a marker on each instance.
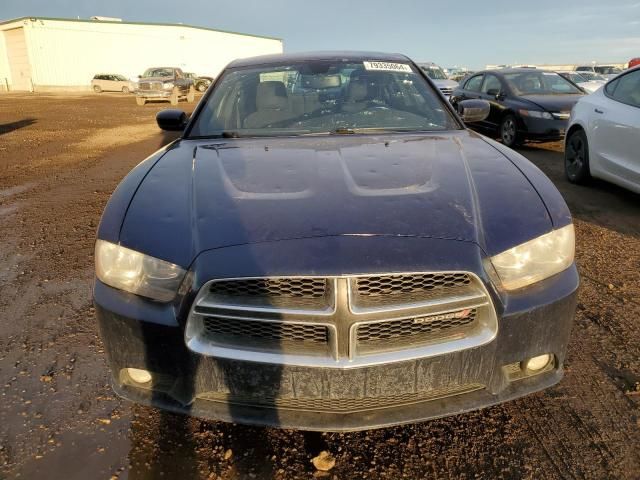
(125, 90)
(97, 89)
(509, 131)
(141, 101)
(576, 158)
(191, 96)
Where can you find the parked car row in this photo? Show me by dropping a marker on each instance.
(526, 104)
(601, 117)
(145, 89)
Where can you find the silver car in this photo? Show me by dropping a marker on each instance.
(439, 78)
(111, 82)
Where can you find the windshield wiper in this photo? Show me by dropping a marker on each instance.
(353, 131)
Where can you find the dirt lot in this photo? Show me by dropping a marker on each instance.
(61, 157)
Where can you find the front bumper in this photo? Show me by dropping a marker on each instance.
(153, 93)
(543, 130)
(140, 334)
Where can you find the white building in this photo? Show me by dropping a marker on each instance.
(45, 54)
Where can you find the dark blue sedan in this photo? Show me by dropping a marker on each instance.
(341, 256)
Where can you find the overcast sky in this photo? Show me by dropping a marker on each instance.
(463, 32)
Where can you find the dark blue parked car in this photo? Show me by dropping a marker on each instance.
(333, 262)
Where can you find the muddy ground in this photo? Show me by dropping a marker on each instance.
(61, 157)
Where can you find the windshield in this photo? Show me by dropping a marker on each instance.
(434, 73)
(158, 72)
(540, 83)
(322, 97)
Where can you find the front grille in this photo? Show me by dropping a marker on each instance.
(271, 287)
(399, 284)
(341, 321)
(243, 330)
(383, 291)
(446, 90)
(415, 330)
(272, 293)
(341, 405)
(150, 85)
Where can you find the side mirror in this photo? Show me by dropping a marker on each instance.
(474, 110)
(172, 120)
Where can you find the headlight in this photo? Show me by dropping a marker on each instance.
(536, 259)
(167, 85)
(536, 114)
(134, 272)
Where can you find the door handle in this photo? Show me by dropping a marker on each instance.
(597, 110)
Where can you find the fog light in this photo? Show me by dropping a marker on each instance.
(138, 375)
(536, 363)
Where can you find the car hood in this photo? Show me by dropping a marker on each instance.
(204, 195)
(592, 85)
(554, 103)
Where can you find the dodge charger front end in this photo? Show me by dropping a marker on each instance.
(332, 262)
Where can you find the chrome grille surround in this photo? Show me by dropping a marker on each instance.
(341, 322)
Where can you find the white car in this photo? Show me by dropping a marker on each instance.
(607, 71)
(582, 80)
(439, 78)
(603, 132)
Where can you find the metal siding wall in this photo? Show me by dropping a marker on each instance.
(18, 57)
(71, 53)
(5, 73)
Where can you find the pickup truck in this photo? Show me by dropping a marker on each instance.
(164, 84)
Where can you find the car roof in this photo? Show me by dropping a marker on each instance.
(502, 71)
(329, 55)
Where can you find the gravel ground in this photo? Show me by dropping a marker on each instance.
(61, 157)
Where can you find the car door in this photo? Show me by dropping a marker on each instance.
(493, 91)
(112, 83)
(472, 87)
(180, 81)
(470, 90)
(616, 128)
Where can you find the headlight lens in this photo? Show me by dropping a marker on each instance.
(536, 114)
(167, 85)
(536, 259)
(134, 272)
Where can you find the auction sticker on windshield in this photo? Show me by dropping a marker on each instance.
(388, 67)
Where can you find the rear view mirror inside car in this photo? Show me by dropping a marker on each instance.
(321, 81)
